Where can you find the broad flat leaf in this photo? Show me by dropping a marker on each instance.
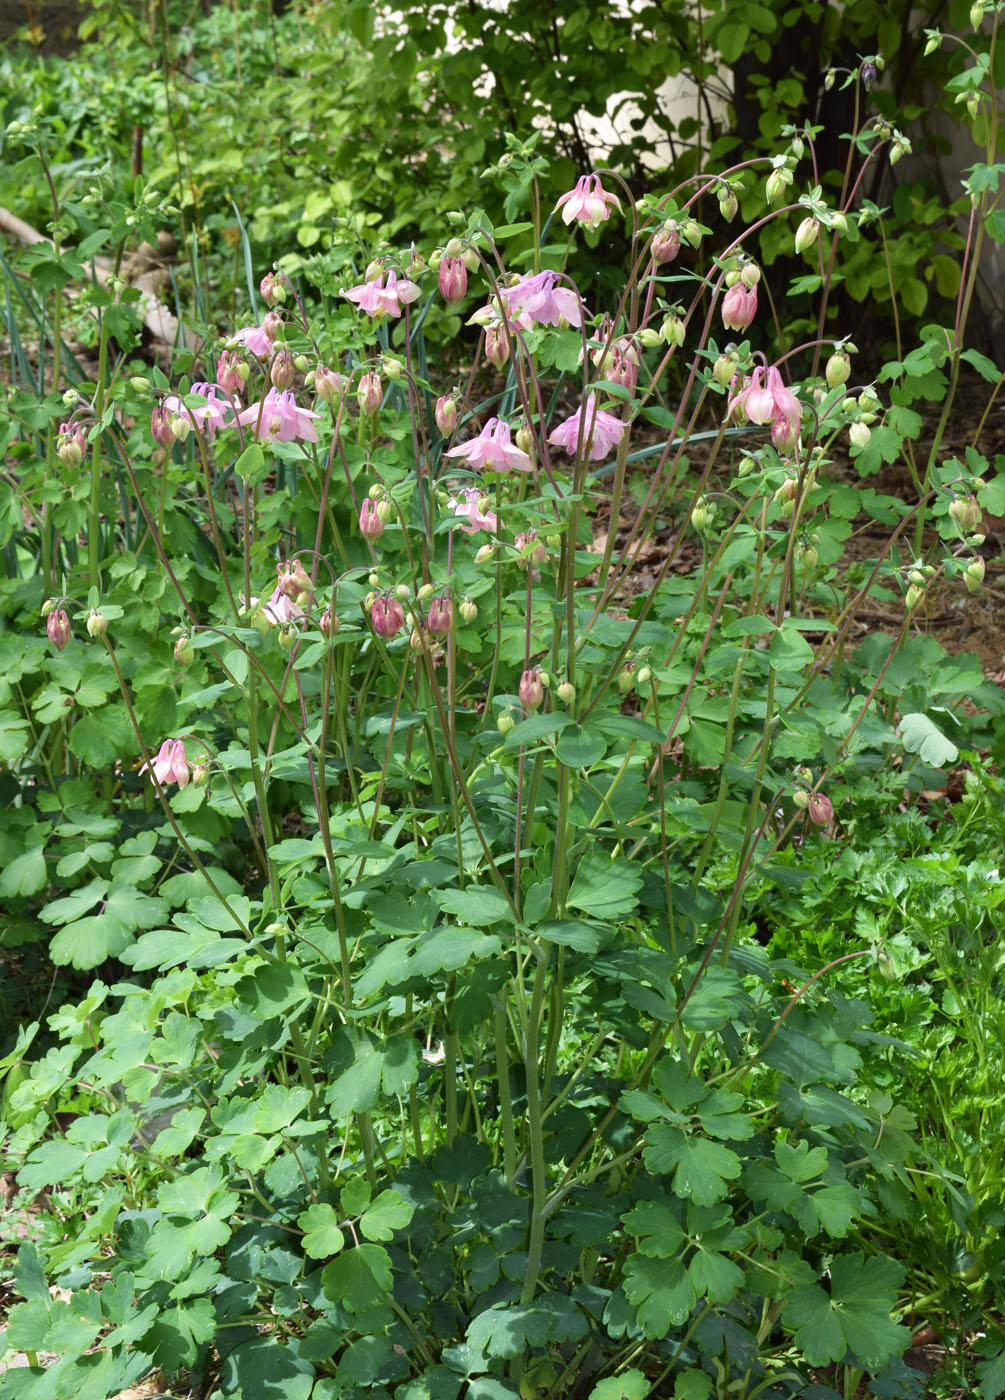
(25, 874)
(90, 941)
(322, 1236)
(700, 1167)
(604, 888)
(571, 933)
(715, 1276)
(662, 1291)
(919, 735)
(476, 905)
(580, 746)
(359, 1279)
(659, 1227)
(369, 1067)
(629, 1385)
(279, 1106)
(854, 1316)
(75, 905)
(389, 1212)
(992, 1377)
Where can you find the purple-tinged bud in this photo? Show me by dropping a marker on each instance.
(328, 623)
(57, 628)
(231, 372)
(97, 623)
(739, 306)
(370, 523)
(453, 277)
(70, 444)
(329, 384)
(272, 288)
(273, 325)
(370, 393)
(666, 243)
(820, 809)
(387, 617)
(445, 414)
(496, 346)
(531, 691)
(183, 652)
(160, 427)
(468, 610)
(441, 616)
(282, 372)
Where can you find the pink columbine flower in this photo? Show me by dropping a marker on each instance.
(278, 418)
(70, 444)
(530, 689)
(370, 392)
(160, 427)
(601, 432)
(370, 522)
(272, 288)
(538, 298)
(57, 628)
(467, 506)
(445, 414)
(257, 340)
(282, 371)
(387, 617)
(767, 399)
(281, 608)
(739, 307)
(493, 449)
(231, 372)
(589, 203)
(378, 299)
(820, 809)
(170, 765)
(213, 413)
(453, 280)
(441, 616)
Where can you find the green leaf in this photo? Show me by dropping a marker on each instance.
(251, 465)
(604, 888)
(701, 1168)
(478, 904)
(389, 1212)
(25, 874)
(629, 1385)
(854, 1316)
(661, 1290)
(580, 746)
(322, 1236)
(367, 1067)
(921, 736)
(571, 933)
(359, 1279)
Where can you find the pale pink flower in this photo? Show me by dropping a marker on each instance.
(57, 628)
(257, 340)
(231, 372)
(739, 306)
(453, 280)
(538, 298)
(370, 522)
(278, 418)
(468, 508)
(771, 402)
(170, 765)
(602, 431)
(493, 449)
(378, 299)
(589, 203)
(281, 608)
(530, 689)
(441, 616)
(753, 400)
(387, 617)
(213, 413)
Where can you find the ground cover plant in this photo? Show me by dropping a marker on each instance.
(438, 967)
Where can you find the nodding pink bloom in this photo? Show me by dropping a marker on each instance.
(820, 809)
(589, 203)
(539, 299)
(532, 550)
(278, 418)
(160, 427)
(753, 400)
(370, 392)
(329, 384)
(272, 288)
(376, 299)
(441, 616)
(281, 608)
(206, 417)
(453, 279)
(620, 365)
(786, 404)
(57, 628)
(472, 517)
(493, 450)
(666, 243)
(601, 432)
(771, 402)
(387, 617)
(257, 340)
(293, 580)
(445, 414)
(282, 371)
(530, 690)
(170, 765)
(370, 522)
(496, 346)
(70, 444)
(231, 372)
(739, 306)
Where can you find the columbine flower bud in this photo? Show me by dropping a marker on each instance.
(181, 426)
(691, 233)
(859, 434)
(273, 326)
(566, 692)
(703, 514)
(440, 618)
(807, 234)
(976, 15)
(913, 596)
(531, 690)
(387, 617)
(775, 185)
(807, 555)
(728, 205)
(370, 522)
(739, 306)
(506, 722)
(673, 331)
(49, 606)
(935, 40)
(329, 385)
(839, 222)
(967, 514)
(393, 368)
(70, 444)
(286, 636)
(485, 553)
(820, 809)
(200, 774)
(160, 427)
(282, 372)
(272, 288)
(626, 678)
(57, 628)
(666, 243)
(453, 280)
(724, 369)
(801, 799)
(370, 393)
(424, 594)
(445, 414)
(231, 372)
(328, 623)
(418, 639)
(973, 575)
(183, 652)
(532, 550)
(644, 675)
(468, 610)
(837, 369)
(385, 509)
(496, 346)
(97, 624)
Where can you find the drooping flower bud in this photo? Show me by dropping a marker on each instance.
(967, 514)
(626, 678)
(485, 553)
(441, 616)
(329, 384)
(57, 628)
(183, 652)
(328, 623)
(666, 243)
(272, 326)
(232, 373)
(468, 610)
(724, 369)
(453, 280)
(445, 414)
(272, 288)
(820, 809)
(70, 444)
(776, 183)
(370, 523)
(837, 369)
(160, 427)
(739, 306)
(393, 368)
(530, 690)
(387, 617)
(370, 393)
(728, 205)
(566, 692)
(859, 434)
(973, 575)
(750, 275)
(286, 636)
(506, 722)
(807, 234)
(97, 623)
(282, 371)
(496, 346)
